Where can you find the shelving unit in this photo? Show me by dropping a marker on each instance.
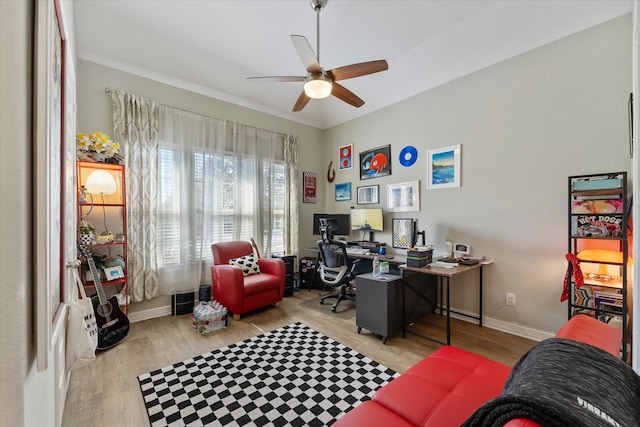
(106, 212)
(598, 216)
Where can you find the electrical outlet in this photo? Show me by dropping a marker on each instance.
(511, 299)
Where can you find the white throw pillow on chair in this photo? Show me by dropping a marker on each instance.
(248, 264)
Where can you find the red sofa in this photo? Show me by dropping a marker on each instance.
(446, 388)
(241, 294)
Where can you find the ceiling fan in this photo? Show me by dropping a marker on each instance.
(318, 83)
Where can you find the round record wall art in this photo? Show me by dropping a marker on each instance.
(408, 156)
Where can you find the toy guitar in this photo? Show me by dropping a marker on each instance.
(113, 324)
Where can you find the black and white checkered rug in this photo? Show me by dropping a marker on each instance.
(292, 376)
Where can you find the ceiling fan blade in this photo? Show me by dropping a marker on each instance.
(357, 70)
(346, 95)
(278, 79)
(306, 54)
(303, 99)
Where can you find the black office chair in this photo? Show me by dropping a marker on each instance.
(336, 269)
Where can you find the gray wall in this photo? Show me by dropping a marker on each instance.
(525, 125)
(17, 351)
(94, 113)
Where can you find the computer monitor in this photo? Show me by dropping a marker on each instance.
(367, 219)
(343, 229)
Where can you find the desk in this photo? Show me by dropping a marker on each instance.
(394, 261)
(442, 274)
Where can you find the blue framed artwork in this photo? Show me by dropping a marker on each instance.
(375, 163)
(343, 191)
(443, 167)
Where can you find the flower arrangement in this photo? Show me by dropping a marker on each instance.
(96, 147)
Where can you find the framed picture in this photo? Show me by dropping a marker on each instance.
(346, 156)
(403, 233)
(403, 197)
(309, 187)
(368, 194)
(375, 163)
(443, 167)
(113, 273)
(343, 191)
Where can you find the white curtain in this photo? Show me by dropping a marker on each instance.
(256, 189)
(191, 182)
(291, 225)
(135, 124)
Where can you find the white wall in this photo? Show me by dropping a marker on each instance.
(525, 125)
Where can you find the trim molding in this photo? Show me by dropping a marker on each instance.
(508, 327)
(500, 325)
(152, 313)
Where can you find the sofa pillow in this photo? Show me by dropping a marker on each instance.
(248, 264)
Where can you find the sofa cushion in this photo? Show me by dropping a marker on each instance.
(248, 264)
(443, 389)
(591, 331)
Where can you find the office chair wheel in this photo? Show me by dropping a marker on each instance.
(333, 309)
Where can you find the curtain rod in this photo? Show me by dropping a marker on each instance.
(108, 90)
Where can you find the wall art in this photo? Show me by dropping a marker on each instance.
(368, 194)
(375, 163)
(346, 157)
(343, 191)
(309, 187)
(403, 197)
(443, 167)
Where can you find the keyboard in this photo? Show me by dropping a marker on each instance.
(357, 251)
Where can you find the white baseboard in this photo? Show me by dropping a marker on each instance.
(508, 327)
(152, 313)
(500, 325)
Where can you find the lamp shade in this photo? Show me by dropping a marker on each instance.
(100, 182)
(317, 87)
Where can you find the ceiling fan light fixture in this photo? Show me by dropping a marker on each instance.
(317, 87)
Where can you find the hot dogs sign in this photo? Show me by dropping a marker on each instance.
(596, 226)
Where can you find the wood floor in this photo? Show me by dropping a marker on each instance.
(106, 393)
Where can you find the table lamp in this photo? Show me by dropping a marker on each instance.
(101, 182)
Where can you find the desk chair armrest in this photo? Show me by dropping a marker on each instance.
(332, 275)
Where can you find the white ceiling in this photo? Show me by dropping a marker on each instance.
(210, 47)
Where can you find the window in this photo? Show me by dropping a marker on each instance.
(211, 197)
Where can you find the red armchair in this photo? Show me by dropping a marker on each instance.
(241, 294)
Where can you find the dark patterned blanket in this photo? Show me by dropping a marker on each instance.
(565, 383)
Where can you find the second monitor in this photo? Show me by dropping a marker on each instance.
(367, 220)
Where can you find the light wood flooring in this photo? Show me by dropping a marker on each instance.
(106, 393)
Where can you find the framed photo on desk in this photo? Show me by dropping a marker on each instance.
(403, 233)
